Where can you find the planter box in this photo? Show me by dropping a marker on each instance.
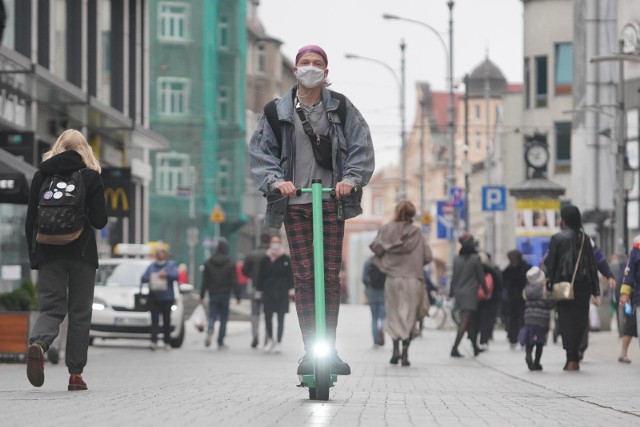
(14, 335)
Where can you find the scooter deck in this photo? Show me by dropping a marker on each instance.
(310, 382)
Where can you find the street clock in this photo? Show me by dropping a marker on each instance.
(537, 156)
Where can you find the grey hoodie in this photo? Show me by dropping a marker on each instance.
(401, 250)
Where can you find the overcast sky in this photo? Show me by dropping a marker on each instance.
(357, 27)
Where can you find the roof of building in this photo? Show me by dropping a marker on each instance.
(478, 77)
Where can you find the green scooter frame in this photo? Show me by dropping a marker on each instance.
(322, 378)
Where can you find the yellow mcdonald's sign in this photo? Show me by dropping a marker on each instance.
(112, 195)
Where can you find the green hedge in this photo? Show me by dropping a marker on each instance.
(22, 299)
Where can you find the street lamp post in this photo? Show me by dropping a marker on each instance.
(401, 88)
(451, 172)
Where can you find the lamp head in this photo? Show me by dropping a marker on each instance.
(390, 16)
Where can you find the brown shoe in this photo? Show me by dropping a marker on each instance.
(572, 366)
(76, 382)
(35, 365)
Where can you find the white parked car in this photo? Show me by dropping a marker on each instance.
(114, 314)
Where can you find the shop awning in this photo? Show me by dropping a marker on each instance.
(15, 176)
(35, 83)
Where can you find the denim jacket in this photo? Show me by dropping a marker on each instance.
(272, 164)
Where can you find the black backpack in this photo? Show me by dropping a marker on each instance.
(376, 277)
(61, 209)
(271, 114)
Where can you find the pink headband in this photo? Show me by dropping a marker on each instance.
(312, 48)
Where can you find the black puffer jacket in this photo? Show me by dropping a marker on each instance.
(219, 276)
(85, 246)
(537, 306)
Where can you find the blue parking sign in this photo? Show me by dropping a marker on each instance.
(494, 198)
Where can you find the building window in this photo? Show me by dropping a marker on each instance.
(477, 112)
(262, 58)
(173, 95)
(564, 68)
(173, 21)
(563, 143)
(171, 171)
(478, 140)
(223, 33)
(541, 81)
(527, 84)
(224, 181)
(224, 104)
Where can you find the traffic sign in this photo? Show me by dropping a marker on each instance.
(445, 220)
(426, 218)
(494, 198)
(217, 215)
(456, 197)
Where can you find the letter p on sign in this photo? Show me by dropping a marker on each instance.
(494, 198)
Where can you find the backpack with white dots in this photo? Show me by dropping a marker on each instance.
(61, 209)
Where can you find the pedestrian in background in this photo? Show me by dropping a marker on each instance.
(275, 282)
(373, 279)
(219, 280)
(66, 273)
(401, 252)
(629, 299)
(537, 315)
(183, 275)
(276, 165)
(514, 279)
(251, 269)
(488, 308)
(468, 274)
(160, 276)
(566, 248)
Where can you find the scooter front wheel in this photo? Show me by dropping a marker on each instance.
(322, 379)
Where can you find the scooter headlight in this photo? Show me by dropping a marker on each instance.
(321, 349)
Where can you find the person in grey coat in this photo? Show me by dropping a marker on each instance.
(468, 274)
(401, 252)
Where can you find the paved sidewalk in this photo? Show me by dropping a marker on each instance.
(197, 386)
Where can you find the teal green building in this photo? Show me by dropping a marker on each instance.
(197, 67)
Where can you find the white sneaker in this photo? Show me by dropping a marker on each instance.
(277, 348)
(153, 346)
(268, 346)
(167, 347)
(207, 340)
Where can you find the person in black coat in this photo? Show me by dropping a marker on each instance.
(564, 253)
(514, 279)
(275, 282)
(66, 273)
(219, 279)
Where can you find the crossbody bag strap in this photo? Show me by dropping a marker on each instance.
(575, 270)
(306, 124)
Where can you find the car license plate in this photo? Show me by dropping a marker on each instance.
(139, 321)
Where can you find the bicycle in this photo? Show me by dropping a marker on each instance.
(439, 311)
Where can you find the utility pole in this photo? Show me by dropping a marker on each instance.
(488, 161)
(403, 136)
(451, 173)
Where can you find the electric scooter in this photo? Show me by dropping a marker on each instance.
(322, 378)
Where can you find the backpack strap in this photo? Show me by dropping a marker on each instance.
(271, 114)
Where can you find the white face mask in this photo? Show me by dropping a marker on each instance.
(310, 76)
(275, 246)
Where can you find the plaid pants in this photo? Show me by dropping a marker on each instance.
(299, 228)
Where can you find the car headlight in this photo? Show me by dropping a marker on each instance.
(99, 304)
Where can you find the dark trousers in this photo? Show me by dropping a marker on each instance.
(158, 308)
(219, 308)
(299, 226)
(486, 316)
(515, 320)
(65, 287)
(268, 319)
